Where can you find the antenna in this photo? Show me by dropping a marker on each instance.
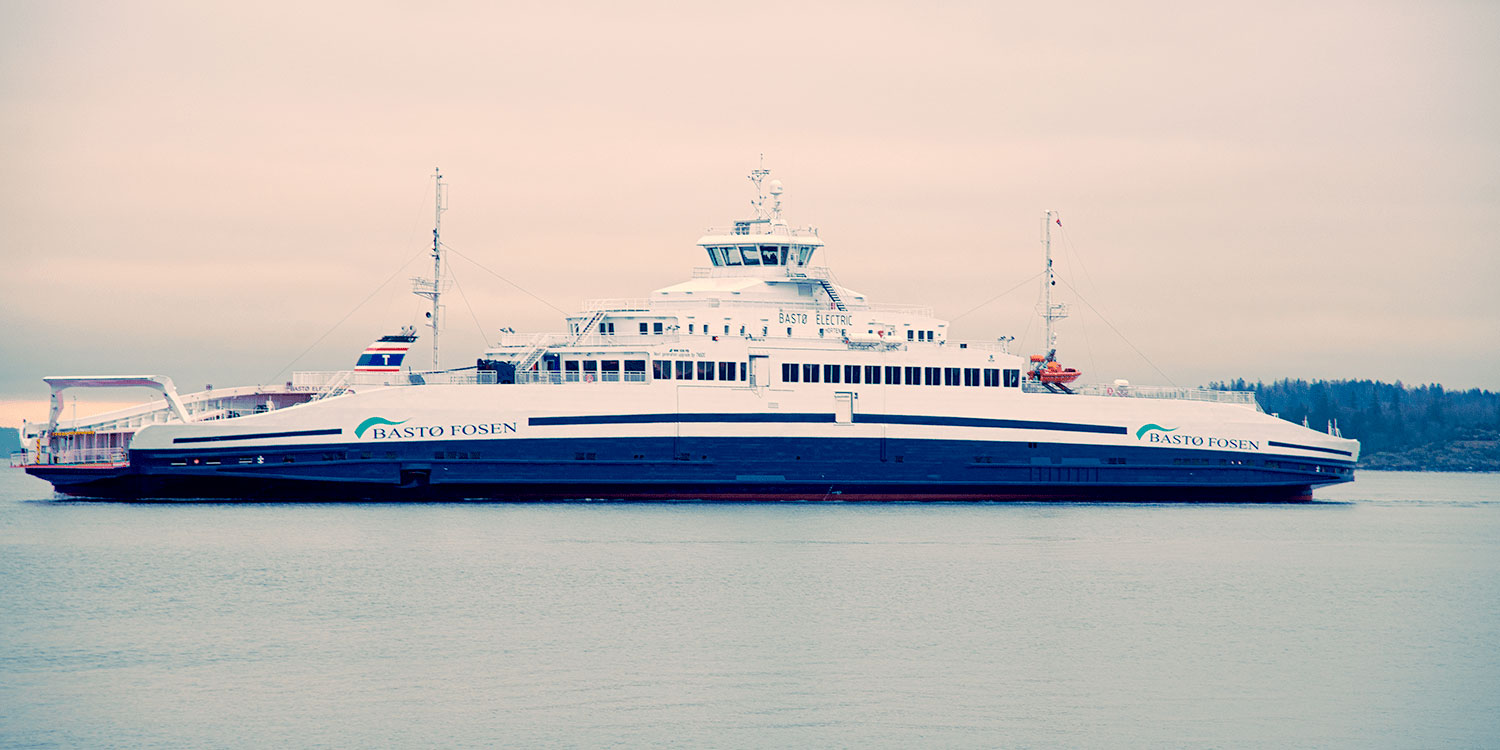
(756, 177)
(433, 288)
(1049, 311)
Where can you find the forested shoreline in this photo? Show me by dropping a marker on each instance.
(1400, 427)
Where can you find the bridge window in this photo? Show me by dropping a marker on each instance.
(971, 376)
(770, 255)
(751, 255)
(731, 256)
(789, 372)
(872, 374)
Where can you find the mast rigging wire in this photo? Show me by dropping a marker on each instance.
(1117, 332)
(351, 312)
(465, 298)
(502, 278)
(1028, 280)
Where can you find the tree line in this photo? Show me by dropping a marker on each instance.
(1424, 427)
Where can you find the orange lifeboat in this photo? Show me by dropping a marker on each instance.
(1056, 373)
(1047, 371)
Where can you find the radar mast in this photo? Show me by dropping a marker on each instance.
(433, 288)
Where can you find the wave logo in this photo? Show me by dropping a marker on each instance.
(1145, 428)
(359, 431)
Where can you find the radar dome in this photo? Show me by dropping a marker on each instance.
(776, 188)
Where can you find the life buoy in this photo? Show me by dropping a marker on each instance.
(588, 378)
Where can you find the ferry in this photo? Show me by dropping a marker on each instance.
(760, 377)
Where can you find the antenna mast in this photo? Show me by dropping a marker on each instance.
(1049, 311)
(433, 288)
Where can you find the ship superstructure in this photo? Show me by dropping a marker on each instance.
(761, 377)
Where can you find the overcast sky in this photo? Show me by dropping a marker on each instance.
(204, 190)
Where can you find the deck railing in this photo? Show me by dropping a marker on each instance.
(1243, 398)
(319, 380)
(552, 377)
(73, 457)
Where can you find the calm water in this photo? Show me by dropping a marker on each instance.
(1372, 620)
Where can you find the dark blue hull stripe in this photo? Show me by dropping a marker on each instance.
(1309, 448)
(1014, 424)
(1011, 424)
(678, 418)
(257, 436)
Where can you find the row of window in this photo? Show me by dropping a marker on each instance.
(657, 328)
(759, 255)
(667, 369)
(990, 377)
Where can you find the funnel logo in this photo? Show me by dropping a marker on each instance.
(359, 431)
(1149, 427)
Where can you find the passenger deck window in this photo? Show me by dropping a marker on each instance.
(872, 374)
(831, 373)
(971, 376)
(913, 376)
(705, 371)
(810, 373)
(661, 369)
(1012, 378)
(934, 375)
(684, 370)
(991, 377)
(892, 375)
(789, 372)
(851, 374)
